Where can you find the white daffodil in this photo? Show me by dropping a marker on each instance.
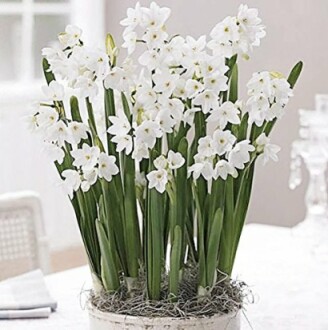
(226, 31)
(54, 91)
(223, 141)
(71, 36)
(86, 157)
(158, 180)
(133, 19)
(260, 83)
(189, 114)
(140, 150)
(123, 142)
(175, 160)
(281, 90)
(205, 146)
(57, 133)
(107, 167)
(87, 86)
(180, 89)
(165, 82)
(130, 41)
(216, 82)
(76, 132)
(161, 163)
(89, 179)
(145, 94)
(193, 87)
(72, 181)
(47, 117)
(155, 38)
(55, 153)
(202, 167)
(165, 121)
(240, 154)
(120, 125)
(151, 59)
(223, 169)
(207, 100)
(154, 17)
(147, 132)
(265, 149)
(228, 112)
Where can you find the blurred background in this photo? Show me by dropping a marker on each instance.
(296, 30)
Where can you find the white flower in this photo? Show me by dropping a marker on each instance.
(226, 31)
(130, 41)
(145, 94)
(76, 132)
(72, 181)
(155, 38)
(223, 141)
(281, 90)
(228, 112)
(123, 142)
(240, 154)
(193, 87)
(165, 82)
(260, 83)
(86, 85)
(161, 163)
(154, 17)
(87, 157)
(258, 106)
(57, 133)
(147, 132)
(151, 59)
(140, 151)
(133, 17)
(207, 100)
(165, 121)
(54, 91)
(89, 178)
(158, 180)
(55, 153)
(266, 150)
(202, 166)
(71, 36)
(119, 79)
(216, 82)
(223, 169)
(47, 117)
(205, 146)
(120, 125)
(107, 167)
(189, 114)
(175, 160)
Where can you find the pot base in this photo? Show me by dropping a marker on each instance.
(109, 321)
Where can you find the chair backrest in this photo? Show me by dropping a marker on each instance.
(23, 244)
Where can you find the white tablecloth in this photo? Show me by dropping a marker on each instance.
(290, 286)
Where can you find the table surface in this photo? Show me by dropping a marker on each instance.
(289, 283)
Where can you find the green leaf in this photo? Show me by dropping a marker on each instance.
(295, 73)
(213, 246)
(46, 71)
(174, 275)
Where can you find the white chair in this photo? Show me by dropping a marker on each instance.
(23, 244)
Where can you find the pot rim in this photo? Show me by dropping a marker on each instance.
(94, 312)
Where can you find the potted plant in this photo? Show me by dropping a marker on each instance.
(157, 154)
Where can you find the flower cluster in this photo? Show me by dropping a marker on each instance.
(178, 79)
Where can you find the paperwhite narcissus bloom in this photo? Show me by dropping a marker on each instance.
(54, 92)
(47, 117)
(207, 100)
(154, 17)
(165, 82)
(205, 146)
(71, 36)
(240, 154)
(223, 141)
(57, 133)
(266, 150)
(89, 178)
(202, 166)
(123, 143)
(175, 160)
(76, 132)
(55, 153)
(120, 125)
(147, 132)
(228, 112)
(223, 169)
(130, 41)
(193, 87)
(86, 157)
(107, 167)
(158, 180)
(72, 181)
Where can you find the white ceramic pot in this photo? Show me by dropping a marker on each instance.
(109, 321)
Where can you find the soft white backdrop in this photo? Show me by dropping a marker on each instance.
(296, 29)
